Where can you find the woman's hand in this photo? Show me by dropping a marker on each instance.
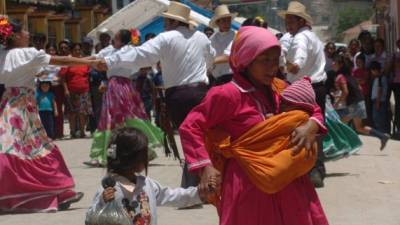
(108, 194)
(304, 136)
(292, 68)
(210, 180)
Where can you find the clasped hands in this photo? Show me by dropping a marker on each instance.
(210, 182)
(99, 64)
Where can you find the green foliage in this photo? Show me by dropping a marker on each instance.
(350, 17)
(251, 10)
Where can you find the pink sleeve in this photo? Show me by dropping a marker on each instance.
(341, 79)
(319, 119)
(217, 107)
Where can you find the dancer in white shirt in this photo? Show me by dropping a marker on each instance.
(184, 55)
(305, 57)
(221, 41)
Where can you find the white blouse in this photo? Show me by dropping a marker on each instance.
(307, 51)
(120, 71)
(221, 42)
(185, 56)
(19, 66)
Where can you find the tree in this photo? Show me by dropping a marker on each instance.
(350, 17)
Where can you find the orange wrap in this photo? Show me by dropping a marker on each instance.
(263, 152)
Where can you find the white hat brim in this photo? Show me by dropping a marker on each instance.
(305, 16)
(179, 18)
(213, 20)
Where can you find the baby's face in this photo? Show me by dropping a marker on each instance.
(287, 107)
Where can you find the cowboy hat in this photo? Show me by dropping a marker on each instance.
(222, 11)
(105, 31)
(296, 9)
(180, 12)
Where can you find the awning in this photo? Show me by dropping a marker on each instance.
(145, 15)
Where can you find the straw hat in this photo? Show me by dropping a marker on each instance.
(105, 31)
(296, 9)
(180, 12)
(222, 11)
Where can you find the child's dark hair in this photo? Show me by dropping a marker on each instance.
(345, 62)
(375, 65)
(51, 45)
(128, 148)
(255, 21)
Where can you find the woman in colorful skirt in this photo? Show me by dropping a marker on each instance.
(33, 174)
(237, 107)
(122, 106)
(341, 140)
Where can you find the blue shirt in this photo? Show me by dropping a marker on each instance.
(44, 100)
(383, 84)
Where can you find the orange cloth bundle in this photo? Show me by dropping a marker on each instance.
(264, 152)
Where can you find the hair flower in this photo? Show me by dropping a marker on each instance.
(5, 28)
(135, 36)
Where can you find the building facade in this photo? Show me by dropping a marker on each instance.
(57, 19)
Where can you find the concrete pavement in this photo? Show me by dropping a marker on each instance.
(363, 189)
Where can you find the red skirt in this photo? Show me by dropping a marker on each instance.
(243, 203)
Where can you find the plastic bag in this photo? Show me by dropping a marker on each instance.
(113, 213)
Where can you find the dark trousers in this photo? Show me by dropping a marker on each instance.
(97, 100)
(2, 89)
(47, 118)
(59, 120)
(320, 93)
(380, 117)
(180, 101)
(223, 79)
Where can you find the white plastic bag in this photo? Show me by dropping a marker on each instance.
(113, 212)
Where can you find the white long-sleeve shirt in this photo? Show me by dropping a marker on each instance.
(184, 54)
(145, 196)
(221, 42)
(307, 51)
(19, 66)
(117, 71)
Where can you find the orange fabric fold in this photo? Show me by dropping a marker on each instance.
(263, 152)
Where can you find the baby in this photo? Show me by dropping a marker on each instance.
(298, 96)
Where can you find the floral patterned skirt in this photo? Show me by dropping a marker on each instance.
(33, 174)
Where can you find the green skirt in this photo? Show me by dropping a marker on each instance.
(101, 139)
(341, 141)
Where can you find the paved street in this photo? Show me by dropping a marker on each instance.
(361, 190)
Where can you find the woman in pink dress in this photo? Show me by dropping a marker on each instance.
(236, 107)
(33, 174)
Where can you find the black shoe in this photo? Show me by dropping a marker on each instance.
(92, 163)
(67, 203)
(384, 141)
(198, 206)
(316, 178)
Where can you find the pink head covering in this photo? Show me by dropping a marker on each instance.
(300, 94)
(250, 41)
